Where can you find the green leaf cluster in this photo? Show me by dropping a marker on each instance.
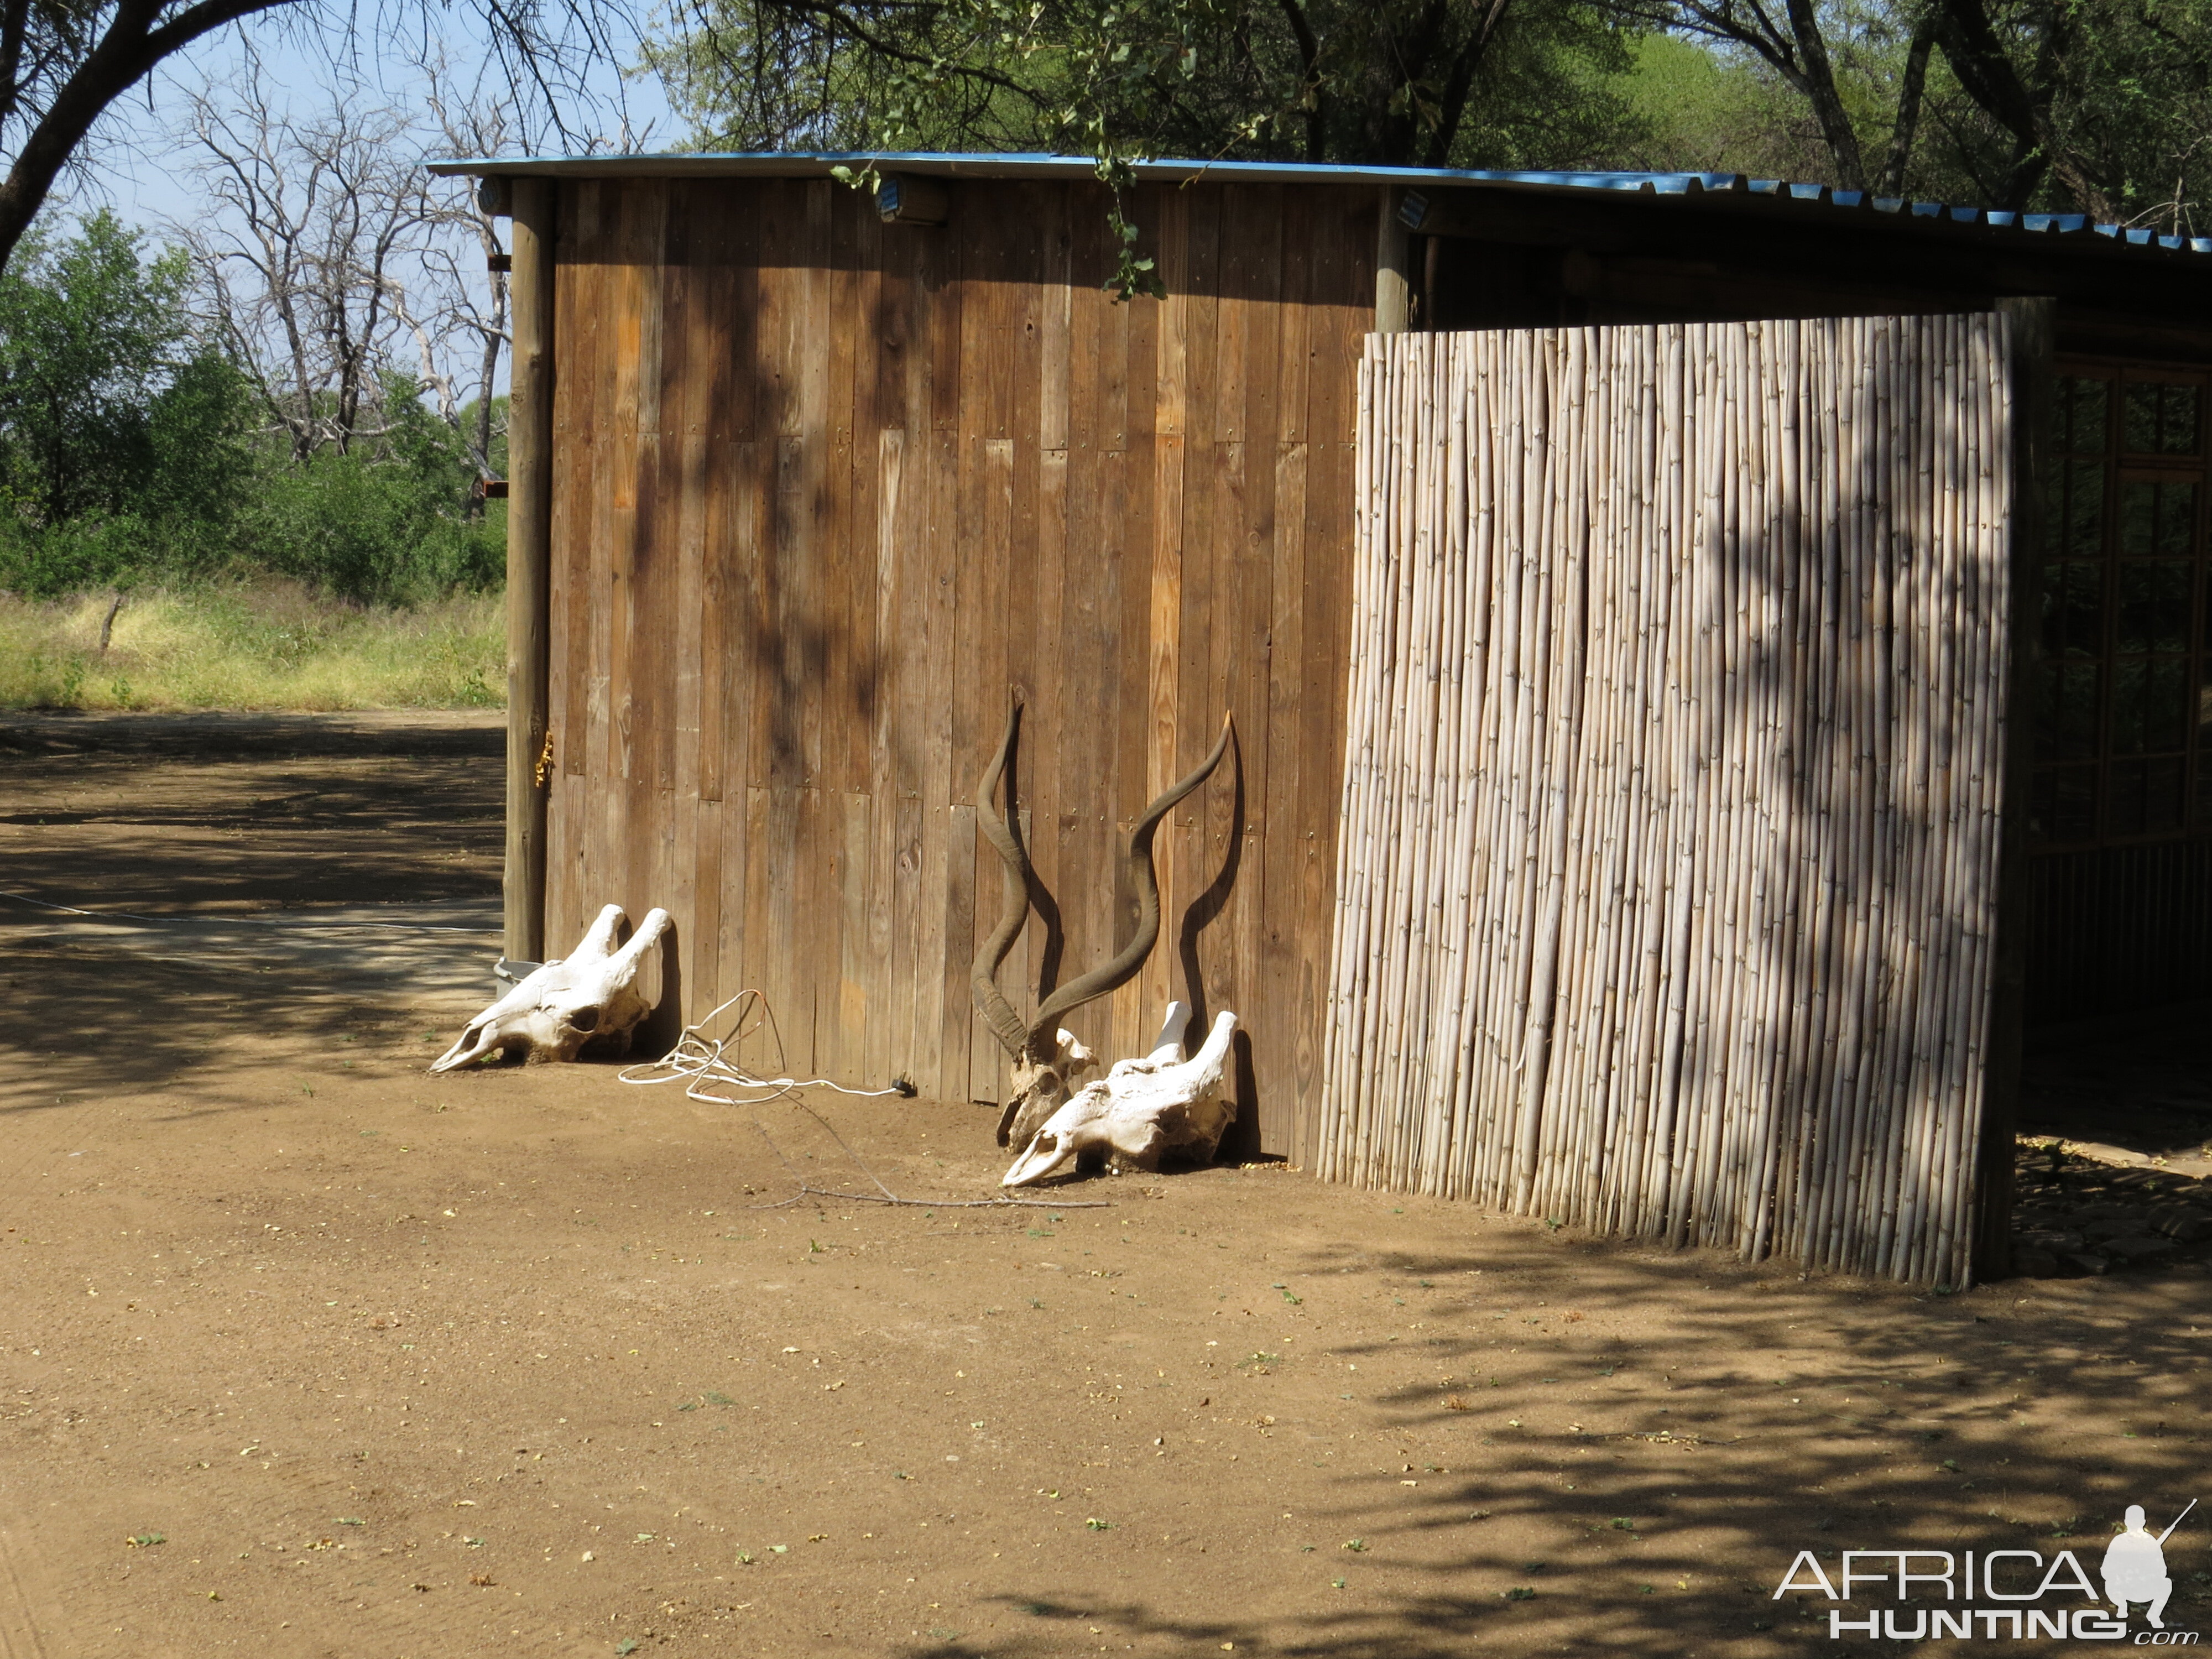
(2096, 107)
(1434, 82)
(119, 428)
(1396, 81)
(2100, 106)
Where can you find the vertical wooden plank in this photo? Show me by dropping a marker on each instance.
(1287, 879)
(613, 452)
(958, 901)
(838, 588)
(661, 629)
(815, 946)
(1046, 671)
(907, 300)
(728, 598)
(848, 609)
(808, 425)
(1250, 335)
(624, 830)
(941, 1025)
(713, 341)
(1055, 318)
(771, 744)
(991, 308)
(637, 416)
(865, 1003)
(1340, 283)
(1038, 260)
(1294, 313)
(687, 378)
(888, 1032)
(762, 955)
(1167, 609)
(1084, 798)
(992, 470)
(1189, 863)
(1290, 875)
(723, 241)
(581, 739)
(1057, 795)
(1135, 512)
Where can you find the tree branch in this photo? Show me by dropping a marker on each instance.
(130, 48)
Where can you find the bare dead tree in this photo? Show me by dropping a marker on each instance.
(311, 222)
(1045, 1060)
(477, 313)
(332, 258)
(63, 64)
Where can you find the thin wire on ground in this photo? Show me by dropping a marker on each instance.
(702, 1062)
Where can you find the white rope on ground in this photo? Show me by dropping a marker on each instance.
(702, 1063)
(248, 922)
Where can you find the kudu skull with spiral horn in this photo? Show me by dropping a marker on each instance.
(1047, 1062)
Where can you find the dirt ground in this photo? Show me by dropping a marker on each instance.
(304, 1351)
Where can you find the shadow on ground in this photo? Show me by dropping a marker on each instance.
(292, 865)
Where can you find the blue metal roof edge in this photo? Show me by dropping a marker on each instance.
(768, 163)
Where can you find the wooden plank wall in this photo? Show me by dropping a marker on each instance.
(1668, 868)
(826, 487)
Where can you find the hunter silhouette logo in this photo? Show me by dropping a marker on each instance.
(2135, 1566)
(2000, 1595)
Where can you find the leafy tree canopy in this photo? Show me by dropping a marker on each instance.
(109, 402)
(1422, 82)
(2098, 105)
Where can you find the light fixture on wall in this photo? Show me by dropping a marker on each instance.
(903, 199)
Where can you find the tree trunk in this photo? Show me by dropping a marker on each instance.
(1819, 79)
(1906, 128)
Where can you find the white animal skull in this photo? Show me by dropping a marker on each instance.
(1144, 1111)
(588, 997)
(1034, 1088)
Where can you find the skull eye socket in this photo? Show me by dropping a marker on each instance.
(583, 1019)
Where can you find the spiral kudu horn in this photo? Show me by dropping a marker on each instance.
(1045, 1060)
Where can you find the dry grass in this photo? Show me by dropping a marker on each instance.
(272, 645)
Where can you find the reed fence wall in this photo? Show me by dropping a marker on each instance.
(1666, 873)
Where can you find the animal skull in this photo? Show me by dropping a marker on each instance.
(1145, 1110)
(1040, 1088)
(1046, 1060)
(588, 997)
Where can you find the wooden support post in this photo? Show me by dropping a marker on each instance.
(529, 568)
(1393, 274)
(2033, 334)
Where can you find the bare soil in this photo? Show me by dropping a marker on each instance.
(303, 1351)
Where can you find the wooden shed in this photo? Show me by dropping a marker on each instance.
(802, 487)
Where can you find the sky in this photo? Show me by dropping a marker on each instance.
(135, 168)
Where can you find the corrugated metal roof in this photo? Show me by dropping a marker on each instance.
(1755, 193)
